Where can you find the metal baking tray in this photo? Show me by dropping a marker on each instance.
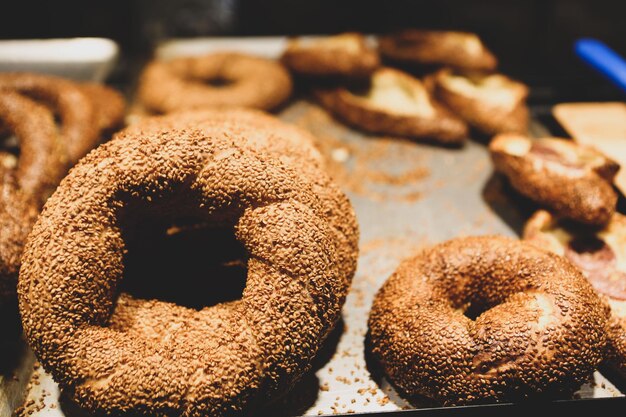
(407, 195)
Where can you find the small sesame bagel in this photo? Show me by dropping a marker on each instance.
(120, 355)
(573, 180)
(491, 103)
(601, 256)
(346, 55)
(487, 319)
(460, 50)
(78, 114)
(240, 81)
(395, 104)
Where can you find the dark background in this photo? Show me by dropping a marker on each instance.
(532, 38)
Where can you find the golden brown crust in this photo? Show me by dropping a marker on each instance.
(110, 105)
(459, 50)
(601, 256)
(539, 329)
(573, 180)
(346, 55)
(490, 103)
(301, 143)
(395, 104)
(181, 83)
(79, 117)
(149, 357)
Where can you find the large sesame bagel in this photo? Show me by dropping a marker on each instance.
(573, 180)
(601, 256)
(125, 355)
(484, 319)
(239, 81)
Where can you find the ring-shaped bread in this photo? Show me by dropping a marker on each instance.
(573, 180)
(487, 319)
(124, 355)
(238, 80)
(601, 256)
(78, 114)
(25, 180)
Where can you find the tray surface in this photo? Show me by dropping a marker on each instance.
(406, 195)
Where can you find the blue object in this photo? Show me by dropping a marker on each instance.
(603, 59)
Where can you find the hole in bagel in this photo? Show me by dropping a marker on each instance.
(218, 82)
(186, 260)
(213, 81)
(9, 150)
(473, 310)
(9, 143)
(195, 267)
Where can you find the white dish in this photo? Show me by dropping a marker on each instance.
(77, 58)
(268, 47)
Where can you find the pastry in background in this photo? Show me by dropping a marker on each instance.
(601, 256)
(572, 180)
(395, 103)
(217, 80)
(490, 103)
(48, 124)
(87, 112)
(459, 50)
(347, 55)
(110, 106)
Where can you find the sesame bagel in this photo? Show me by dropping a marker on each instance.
(239, 81)
(487, 319)
(575, 181)
(40, 165)
(395, 104)
(346, 55)
(25, 180)
(131, 356)
(460, 50)
(601, 256)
